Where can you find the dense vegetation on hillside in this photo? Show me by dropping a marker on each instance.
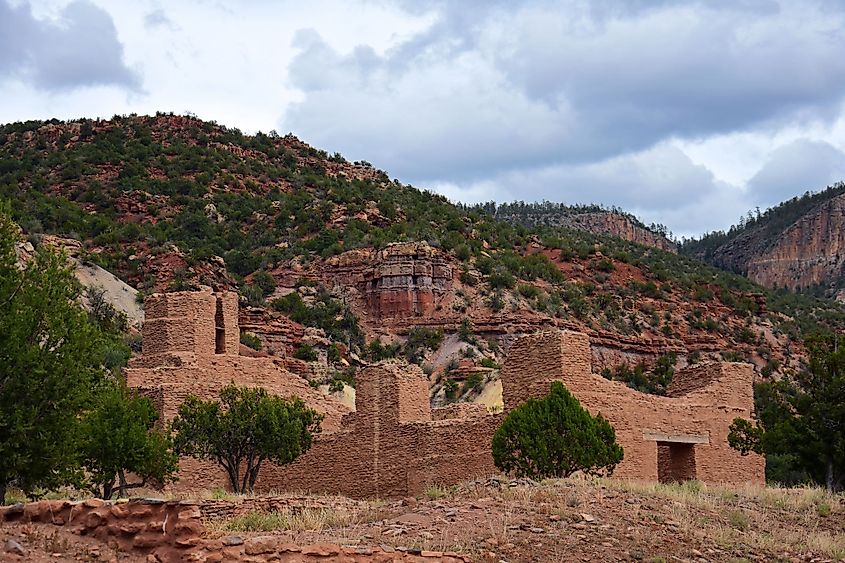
(157, 199)
(134, 188)
(532, 213)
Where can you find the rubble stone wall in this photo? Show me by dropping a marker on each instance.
(719, 393)
(394, 445)
(173, 530)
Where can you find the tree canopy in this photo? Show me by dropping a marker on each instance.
(801, 419)
(555, 437)
(245, 428)
(117, 437)
(51, 358)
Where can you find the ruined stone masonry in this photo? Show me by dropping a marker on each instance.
(394, 444)
(190, 346)
(678, 437)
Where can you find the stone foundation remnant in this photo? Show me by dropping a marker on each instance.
(177, 530)
(395, 445)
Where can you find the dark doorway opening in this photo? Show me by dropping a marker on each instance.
(219, 329)
(675, 462)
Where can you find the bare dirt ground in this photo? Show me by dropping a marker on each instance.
(566, 520)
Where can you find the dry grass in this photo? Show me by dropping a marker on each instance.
(766, 518)
(301, 519)
(436, 491)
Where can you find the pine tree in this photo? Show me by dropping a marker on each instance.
(801, 418)
(555, 437)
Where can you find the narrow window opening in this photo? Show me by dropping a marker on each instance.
(219, 329)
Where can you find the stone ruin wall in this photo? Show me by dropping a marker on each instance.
(182, 355)
(396, 445)
(696, 417)
(390, 446)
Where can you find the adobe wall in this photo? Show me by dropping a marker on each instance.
(390, 447)
(183, 354)
(395, 445)
(701, 410)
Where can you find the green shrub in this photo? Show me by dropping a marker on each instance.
(377, 351)
(465, 331)
(501, 279)
(420, 339)
(264, 281)
(489, 363)
(528, 291)
(250, 340)
(305, 353)
(555, 437)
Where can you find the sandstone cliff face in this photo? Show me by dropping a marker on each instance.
(402, 280)
(809, 252)
(599, 223)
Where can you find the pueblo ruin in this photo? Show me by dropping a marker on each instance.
(394, 444)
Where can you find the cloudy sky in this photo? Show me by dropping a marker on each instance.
(685, 113)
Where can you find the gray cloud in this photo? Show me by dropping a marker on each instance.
(81, 49)
(571, 92)
(794, 168)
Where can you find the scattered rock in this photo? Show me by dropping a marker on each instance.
(233, 540)
(260, 545)
(16, 548)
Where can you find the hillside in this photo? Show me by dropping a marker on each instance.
(796, 245)
(338, 265)
(589, 218)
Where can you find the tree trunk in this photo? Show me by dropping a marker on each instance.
(2, 494)
(232, 472)
(246, 485)
(253, 476)
(108, 490)
(121, 491)
(829, 480)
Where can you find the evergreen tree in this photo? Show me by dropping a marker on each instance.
(801, 418)
(117, 437)
(555, 437)
(51, 358)
(246, 428)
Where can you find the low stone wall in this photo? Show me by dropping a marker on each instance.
(169, 531)
(144, 526)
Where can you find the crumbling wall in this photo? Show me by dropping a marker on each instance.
(459, 410)
(190, 347)
(390, 447)
(701, 416)
(394, 445)
(173, 530)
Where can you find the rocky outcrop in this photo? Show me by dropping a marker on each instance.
(401, 280)
(598, 223)
(116, 293)
(809, 252)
